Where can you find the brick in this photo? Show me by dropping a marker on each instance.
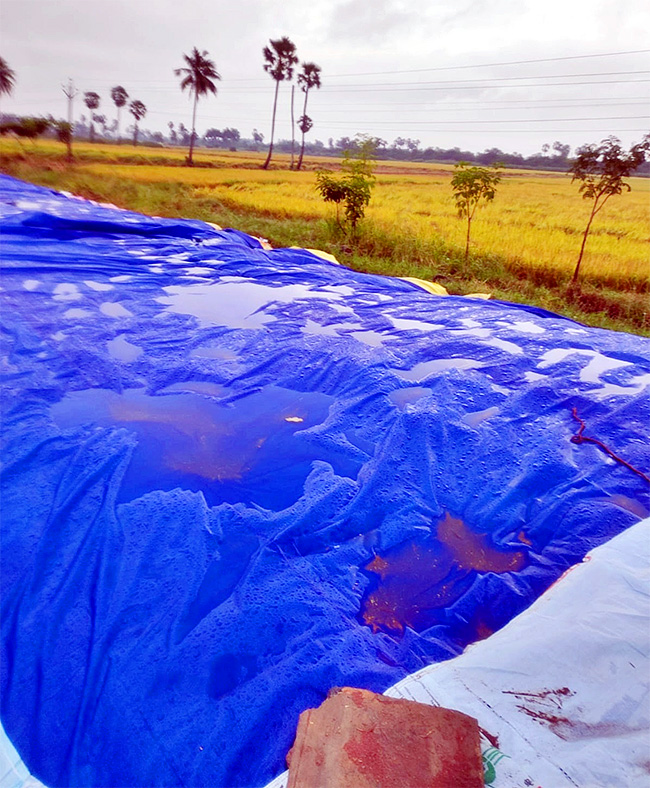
(358, 739)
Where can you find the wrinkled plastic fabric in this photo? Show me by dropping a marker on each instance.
(235, 478)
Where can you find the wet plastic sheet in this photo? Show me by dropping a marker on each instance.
(562, 693)
(235, 478)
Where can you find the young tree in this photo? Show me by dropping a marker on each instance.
(172, 132)
(600, 170)
(138, 110)
(120, 97)
(64, 134)
(91, 100)
(355, 186)
(308, 78)
(198, 75)
(473, 185)
(280, 59)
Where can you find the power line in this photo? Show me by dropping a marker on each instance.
(478, 107)
(487, 79)
(451, 86)
(347, 124)
(501, 79)
(493, 65)
(513, 120)
(491, 102)
(421, 70)
(441, 86)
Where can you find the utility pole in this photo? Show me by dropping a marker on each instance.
(293, 125)
(70, 92)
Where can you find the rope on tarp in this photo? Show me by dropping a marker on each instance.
(580, 438)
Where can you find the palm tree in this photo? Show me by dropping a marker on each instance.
(138, 110)
(91, 100)
(280, 59)
(308, 78)
(198, 76)
(119, 96)
(7, 77)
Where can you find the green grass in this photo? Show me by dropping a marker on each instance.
(379, 248)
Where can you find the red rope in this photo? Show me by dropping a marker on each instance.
(580, 438)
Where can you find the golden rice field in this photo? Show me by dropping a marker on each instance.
(536, 218)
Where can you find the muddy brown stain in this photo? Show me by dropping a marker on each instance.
(418, 577)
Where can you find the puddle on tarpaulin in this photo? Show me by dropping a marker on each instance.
(408, 324)
(634, 385)
(311, 327)
(246, 451)
(422, 370)
(121, 349)
(372, 338)
(98, 287)
(413, 583)
(114, 309)
(236, 304)
(598, 364)
(476, 417)
(404, 397)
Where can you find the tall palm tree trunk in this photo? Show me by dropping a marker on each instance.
(275, 104)
(119, 111)
(190, 161)
(302, 144)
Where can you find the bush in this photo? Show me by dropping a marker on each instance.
(353, 189)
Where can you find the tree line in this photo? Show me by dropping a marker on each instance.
(198, 75)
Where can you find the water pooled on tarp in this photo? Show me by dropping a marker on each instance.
(121, 349)
(414, 582)
(422, 370)
(235, 302)
(246, 450)
(408, 396)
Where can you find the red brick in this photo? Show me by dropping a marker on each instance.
(357, 739)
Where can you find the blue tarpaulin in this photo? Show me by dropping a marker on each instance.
(235, 478)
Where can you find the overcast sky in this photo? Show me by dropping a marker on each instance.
(410, 68)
